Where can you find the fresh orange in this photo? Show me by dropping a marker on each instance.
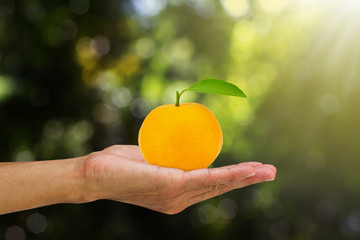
(187, 136)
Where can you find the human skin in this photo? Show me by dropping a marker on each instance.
(120, 173)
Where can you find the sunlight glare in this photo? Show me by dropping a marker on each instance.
(235, 8)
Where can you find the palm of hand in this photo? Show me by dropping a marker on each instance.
(120, 173)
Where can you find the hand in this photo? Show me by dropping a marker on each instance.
(120, 173)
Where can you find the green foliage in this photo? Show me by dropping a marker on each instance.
(77, 76)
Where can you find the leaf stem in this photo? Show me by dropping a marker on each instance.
(178, 95)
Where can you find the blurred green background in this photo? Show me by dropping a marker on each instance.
(78, 76)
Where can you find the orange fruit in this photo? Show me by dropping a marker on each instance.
(187, 136)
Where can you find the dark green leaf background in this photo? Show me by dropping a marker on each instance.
(77, 76)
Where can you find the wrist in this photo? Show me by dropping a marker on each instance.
(75, 189)
(90, 182)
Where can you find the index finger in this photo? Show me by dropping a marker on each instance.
(219, 176)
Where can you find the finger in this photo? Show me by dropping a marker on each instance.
(218, 183)
(203, 178)
(252, 164)
(263, 173)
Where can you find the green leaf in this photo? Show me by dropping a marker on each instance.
(216, 86)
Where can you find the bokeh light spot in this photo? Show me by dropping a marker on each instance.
(353, 221)
(107, 80)
(53, 130)
(79, 6)
(24, 156)
(100, 45)
(329, 104)
(6, 87)
(227, 208)
(82, 130)
(243, 32)
(149, 8)
(235, 8)
(83, 48)
(106, 115)
(274, 6)
(68, 29)
(52, 36)
(6, 8)
(121, 97)
(128, 64)
(139, 108)
(207, 213)
(262, 24)
(36, 223)
(180, 49)
(34, 12)
(203, 8)
(15, 233)
(145, 47)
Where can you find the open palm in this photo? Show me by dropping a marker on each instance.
(120, 173)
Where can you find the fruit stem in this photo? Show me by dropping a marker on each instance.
(178, 95)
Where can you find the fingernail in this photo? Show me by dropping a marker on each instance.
(269, 180)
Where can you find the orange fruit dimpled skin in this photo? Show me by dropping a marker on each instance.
(187, 137)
